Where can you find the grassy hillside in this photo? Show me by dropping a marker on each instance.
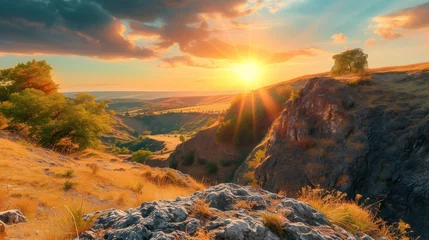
(36, 181)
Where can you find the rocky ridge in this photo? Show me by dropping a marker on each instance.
(177, 219)
(370, 139)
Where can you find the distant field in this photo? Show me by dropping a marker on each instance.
(143, 95)
(217, 107)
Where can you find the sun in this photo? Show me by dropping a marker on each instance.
(248, 71)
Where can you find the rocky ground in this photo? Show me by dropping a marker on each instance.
(227, 218)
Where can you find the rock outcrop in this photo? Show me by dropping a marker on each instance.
(368, 139)
(178, 219)
(12, 217)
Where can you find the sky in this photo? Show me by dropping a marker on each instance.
(202, 45)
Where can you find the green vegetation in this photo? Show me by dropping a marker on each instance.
(141, 156)
(250, 115)
(145, 143)
(211, 168)
(34, 107)
(182, 138)
(68, 185)
(202, 161)
(188, 158)
(350, 61)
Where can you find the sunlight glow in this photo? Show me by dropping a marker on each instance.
(248, 71)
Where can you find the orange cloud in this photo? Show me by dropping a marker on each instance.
(370, 42)
(339, 38)
(392, 25)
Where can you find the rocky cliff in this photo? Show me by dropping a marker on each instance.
(225, 219)
(370, 138)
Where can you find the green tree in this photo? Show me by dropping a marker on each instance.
(57, 122)
(182, 138)
(350, 61)
(33, 74)
(141, 156)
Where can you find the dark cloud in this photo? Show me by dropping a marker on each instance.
(97, 28)
(64, 27)
(390, 26)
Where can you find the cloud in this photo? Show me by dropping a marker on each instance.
(371, 42)
(392, 26)
(339, 38)
(178, 61)
(109, 29)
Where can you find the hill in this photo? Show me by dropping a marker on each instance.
(40, 183)
(361, 135)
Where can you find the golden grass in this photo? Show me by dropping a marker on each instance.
(247, 205)
(351, 215)
(202, 208)
(201, 234)
(26, 205)
(274, 222)
(24, 175)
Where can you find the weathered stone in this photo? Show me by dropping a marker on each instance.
(12, 217)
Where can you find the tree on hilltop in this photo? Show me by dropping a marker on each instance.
(350, 61)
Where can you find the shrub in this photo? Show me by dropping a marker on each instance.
(182, 138)
(188, 158)
(141, 156)
(248, 205)
(274, 222)
(68, 185)
(69, 173)
(211, 168)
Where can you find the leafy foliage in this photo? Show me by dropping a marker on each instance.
(33, 74)
(350, 61)
(141, 156)
(51, 119)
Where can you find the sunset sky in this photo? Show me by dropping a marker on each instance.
(202, 45)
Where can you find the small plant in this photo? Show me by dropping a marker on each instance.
(68, 185)
(202, 208)
(211, 168)
(94, 168)
(201, 234)
(226, 163)
(274, 222)
(69, 173)
(173, 164)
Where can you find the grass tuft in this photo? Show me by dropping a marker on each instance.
(274, 222)
(202, 208)
(68, 185)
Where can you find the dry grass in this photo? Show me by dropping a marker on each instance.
(202, 208)
(274, 222)
(201, 234)
(351, 215)
(247, 205)
(94, 168)
(26, 205)
(23, 174)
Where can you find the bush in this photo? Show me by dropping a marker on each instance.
(182, 138)
(202, 208)
(141, 156)
(211, 168)
(188, 158)
(68, 185)
(226, 163)
(69, 173)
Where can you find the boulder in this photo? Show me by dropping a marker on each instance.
(12, 217)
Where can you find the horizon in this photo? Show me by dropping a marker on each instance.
(227, 46)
